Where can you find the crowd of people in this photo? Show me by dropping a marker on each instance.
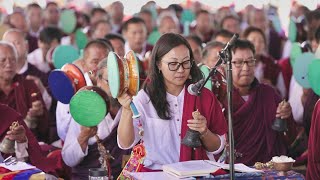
(170, 52)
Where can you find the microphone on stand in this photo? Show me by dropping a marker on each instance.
(231, 42)
(193, 89)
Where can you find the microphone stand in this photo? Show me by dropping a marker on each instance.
(225, 57)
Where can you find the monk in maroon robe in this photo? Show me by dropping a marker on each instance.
(313, 168)
(22, 134)
(21, 94)
(255, 107)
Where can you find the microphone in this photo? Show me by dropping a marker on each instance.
(193, 89)
(231, 42)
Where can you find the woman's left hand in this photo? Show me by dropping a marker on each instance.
(199, 124)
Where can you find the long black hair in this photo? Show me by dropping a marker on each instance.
(155, 86)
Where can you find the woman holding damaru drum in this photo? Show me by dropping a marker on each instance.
(166, 109)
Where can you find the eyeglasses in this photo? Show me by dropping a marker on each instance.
(174, 66)
(240, 63)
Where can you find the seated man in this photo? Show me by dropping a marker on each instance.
(16, 37)
(94, 52)
(49, 37)
(21, 94)
(255, 107)
(134, 31)
(80, 150)
(27, 147)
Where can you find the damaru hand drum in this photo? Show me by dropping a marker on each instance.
(66, 82)
(123, 76)
(89, 106)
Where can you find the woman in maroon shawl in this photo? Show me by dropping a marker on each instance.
(255, 107)
(313, 168)
(166, 109)
(21, 94)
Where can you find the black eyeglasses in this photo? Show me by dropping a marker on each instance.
(174, 66)
(240, 63)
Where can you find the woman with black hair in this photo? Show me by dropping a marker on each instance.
(166, 109)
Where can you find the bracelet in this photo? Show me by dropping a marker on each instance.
(203, 134)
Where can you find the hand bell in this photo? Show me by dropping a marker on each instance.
(280, 125)
(192, 139)
(7, 146)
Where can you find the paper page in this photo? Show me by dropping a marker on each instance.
(17, 167)
(190, 168)
(238, 167)
(156, 176)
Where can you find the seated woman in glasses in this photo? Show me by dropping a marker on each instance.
(166, 109)
(255, 108)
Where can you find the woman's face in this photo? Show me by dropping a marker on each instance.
(257, 40)
(175, 66)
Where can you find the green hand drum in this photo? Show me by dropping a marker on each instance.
(123, 76)
(89, 106)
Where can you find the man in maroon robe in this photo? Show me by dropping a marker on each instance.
(21, 94)
(313, 168)
(22, 134)
(255, 107)
(31, 72)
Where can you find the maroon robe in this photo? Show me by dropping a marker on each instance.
(313, 168)
(20, 99)
(275, 44)
(34, 71)
(36, 158)
(32, 42)
(81, 171)
(208, 106)
(252, 122)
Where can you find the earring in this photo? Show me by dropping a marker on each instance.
(159, 71)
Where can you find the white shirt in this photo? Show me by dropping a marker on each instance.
(161, 137)
(72, 153)
(37, 33)
(139, 55)
(45, 95)
(63, 116)
(63, 119)
(295, 93)
(36, 58)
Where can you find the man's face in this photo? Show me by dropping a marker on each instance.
(212, 57)
(101, 30)
(18, 41)
(231, 25)
(52, 14)
(97, 16)
(243, 67)
(118, 47)
(8, 63)
(147, 18)
(203, 22)
(117, 12)
(167, 25)
(34, 16)
(136, 35)
(19, 22)
(92, 56)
